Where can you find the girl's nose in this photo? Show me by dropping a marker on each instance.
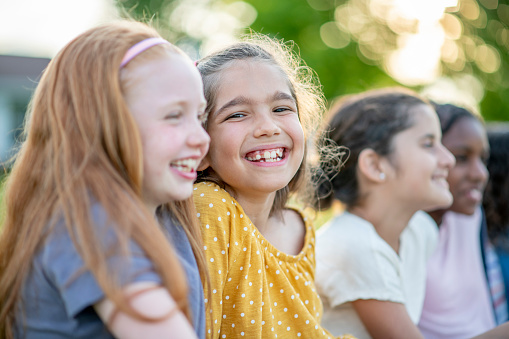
(266, 126)
(478, 170)
(198, 137)
(446, 158)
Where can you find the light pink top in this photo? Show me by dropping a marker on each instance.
(457, 302)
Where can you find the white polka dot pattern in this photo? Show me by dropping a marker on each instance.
(260, 291)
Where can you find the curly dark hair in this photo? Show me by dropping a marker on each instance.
(496, 195)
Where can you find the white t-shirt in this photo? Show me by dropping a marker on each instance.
(354, 262)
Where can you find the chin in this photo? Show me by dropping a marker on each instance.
(181, 193)
(468, 211)
(465, 209)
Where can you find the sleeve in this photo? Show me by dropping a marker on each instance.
(65, 269)
(218, 215)
(354, 264)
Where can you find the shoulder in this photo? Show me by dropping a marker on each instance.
(422, 232)
(346, 234)
(423, 223)
(296, 221)
(209, 194)
(353, 262)
(221, 216)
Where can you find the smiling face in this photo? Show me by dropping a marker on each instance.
(468, 142)
(257, 141)
(165, 97)
(421, 163)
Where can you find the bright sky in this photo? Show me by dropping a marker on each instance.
(41, 27)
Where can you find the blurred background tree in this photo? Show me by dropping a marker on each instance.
(449, 50)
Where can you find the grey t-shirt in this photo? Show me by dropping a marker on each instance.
(179, 240)
(59, 294)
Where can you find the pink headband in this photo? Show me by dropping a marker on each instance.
(140, 47)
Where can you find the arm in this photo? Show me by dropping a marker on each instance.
(150, 301)
(499, 332)
(386, 319)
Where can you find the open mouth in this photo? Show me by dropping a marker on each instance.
(474, 194)
(442, 182)
(268, 155)
(185, 165)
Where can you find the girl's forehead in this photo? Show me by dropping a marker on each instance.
(256, 75)
(466, 132)
(465, 125)
(253, 64)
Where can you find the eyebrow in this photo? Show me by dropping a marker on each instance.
(283, 96)
(429, 136)
(240, 100)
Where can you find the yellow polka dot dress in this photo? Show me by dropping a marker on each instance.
(257, 291)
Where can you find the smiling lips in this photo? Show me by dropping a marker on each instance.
(268, 155)
(474, 194)
(185, 165)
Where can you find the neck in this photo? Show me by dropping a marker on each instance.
(388, 221)
(437, 215)
(152, 208)
(257, 207)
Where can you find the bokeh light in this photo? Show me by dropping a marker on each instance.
(213, 24)
(40, 28)
(420, 43)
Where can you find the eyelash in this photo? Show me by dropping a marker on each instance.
(429, 143)
(241, 115)
(235, 115)
(173, 115)
(202, 117)
(282, 109)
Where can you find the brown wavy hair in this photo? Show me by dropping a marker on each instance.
(304, 87)
(355, 122)
(81, 146)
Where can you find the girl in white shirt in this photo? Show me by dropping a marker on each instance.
(371, 260)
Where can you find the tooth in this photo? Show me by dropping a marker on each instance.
(266, 154)
(273, 154)
(258, 157)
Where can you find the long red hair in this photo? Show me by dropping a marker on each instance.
(81, 143)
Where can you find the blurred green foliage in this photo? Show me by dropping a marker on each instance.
(495, 105)
(341, 71)
(2, 205)
(345, 70)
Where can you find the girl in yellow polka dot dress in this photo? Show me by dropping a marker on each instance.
(260, 253)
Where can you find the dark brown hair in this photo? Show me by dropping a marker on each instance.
(367, 120)
(450, 114)
(496, 194)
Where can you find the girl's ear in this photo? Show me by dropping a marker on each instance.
(204, 164)
(372, 166)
